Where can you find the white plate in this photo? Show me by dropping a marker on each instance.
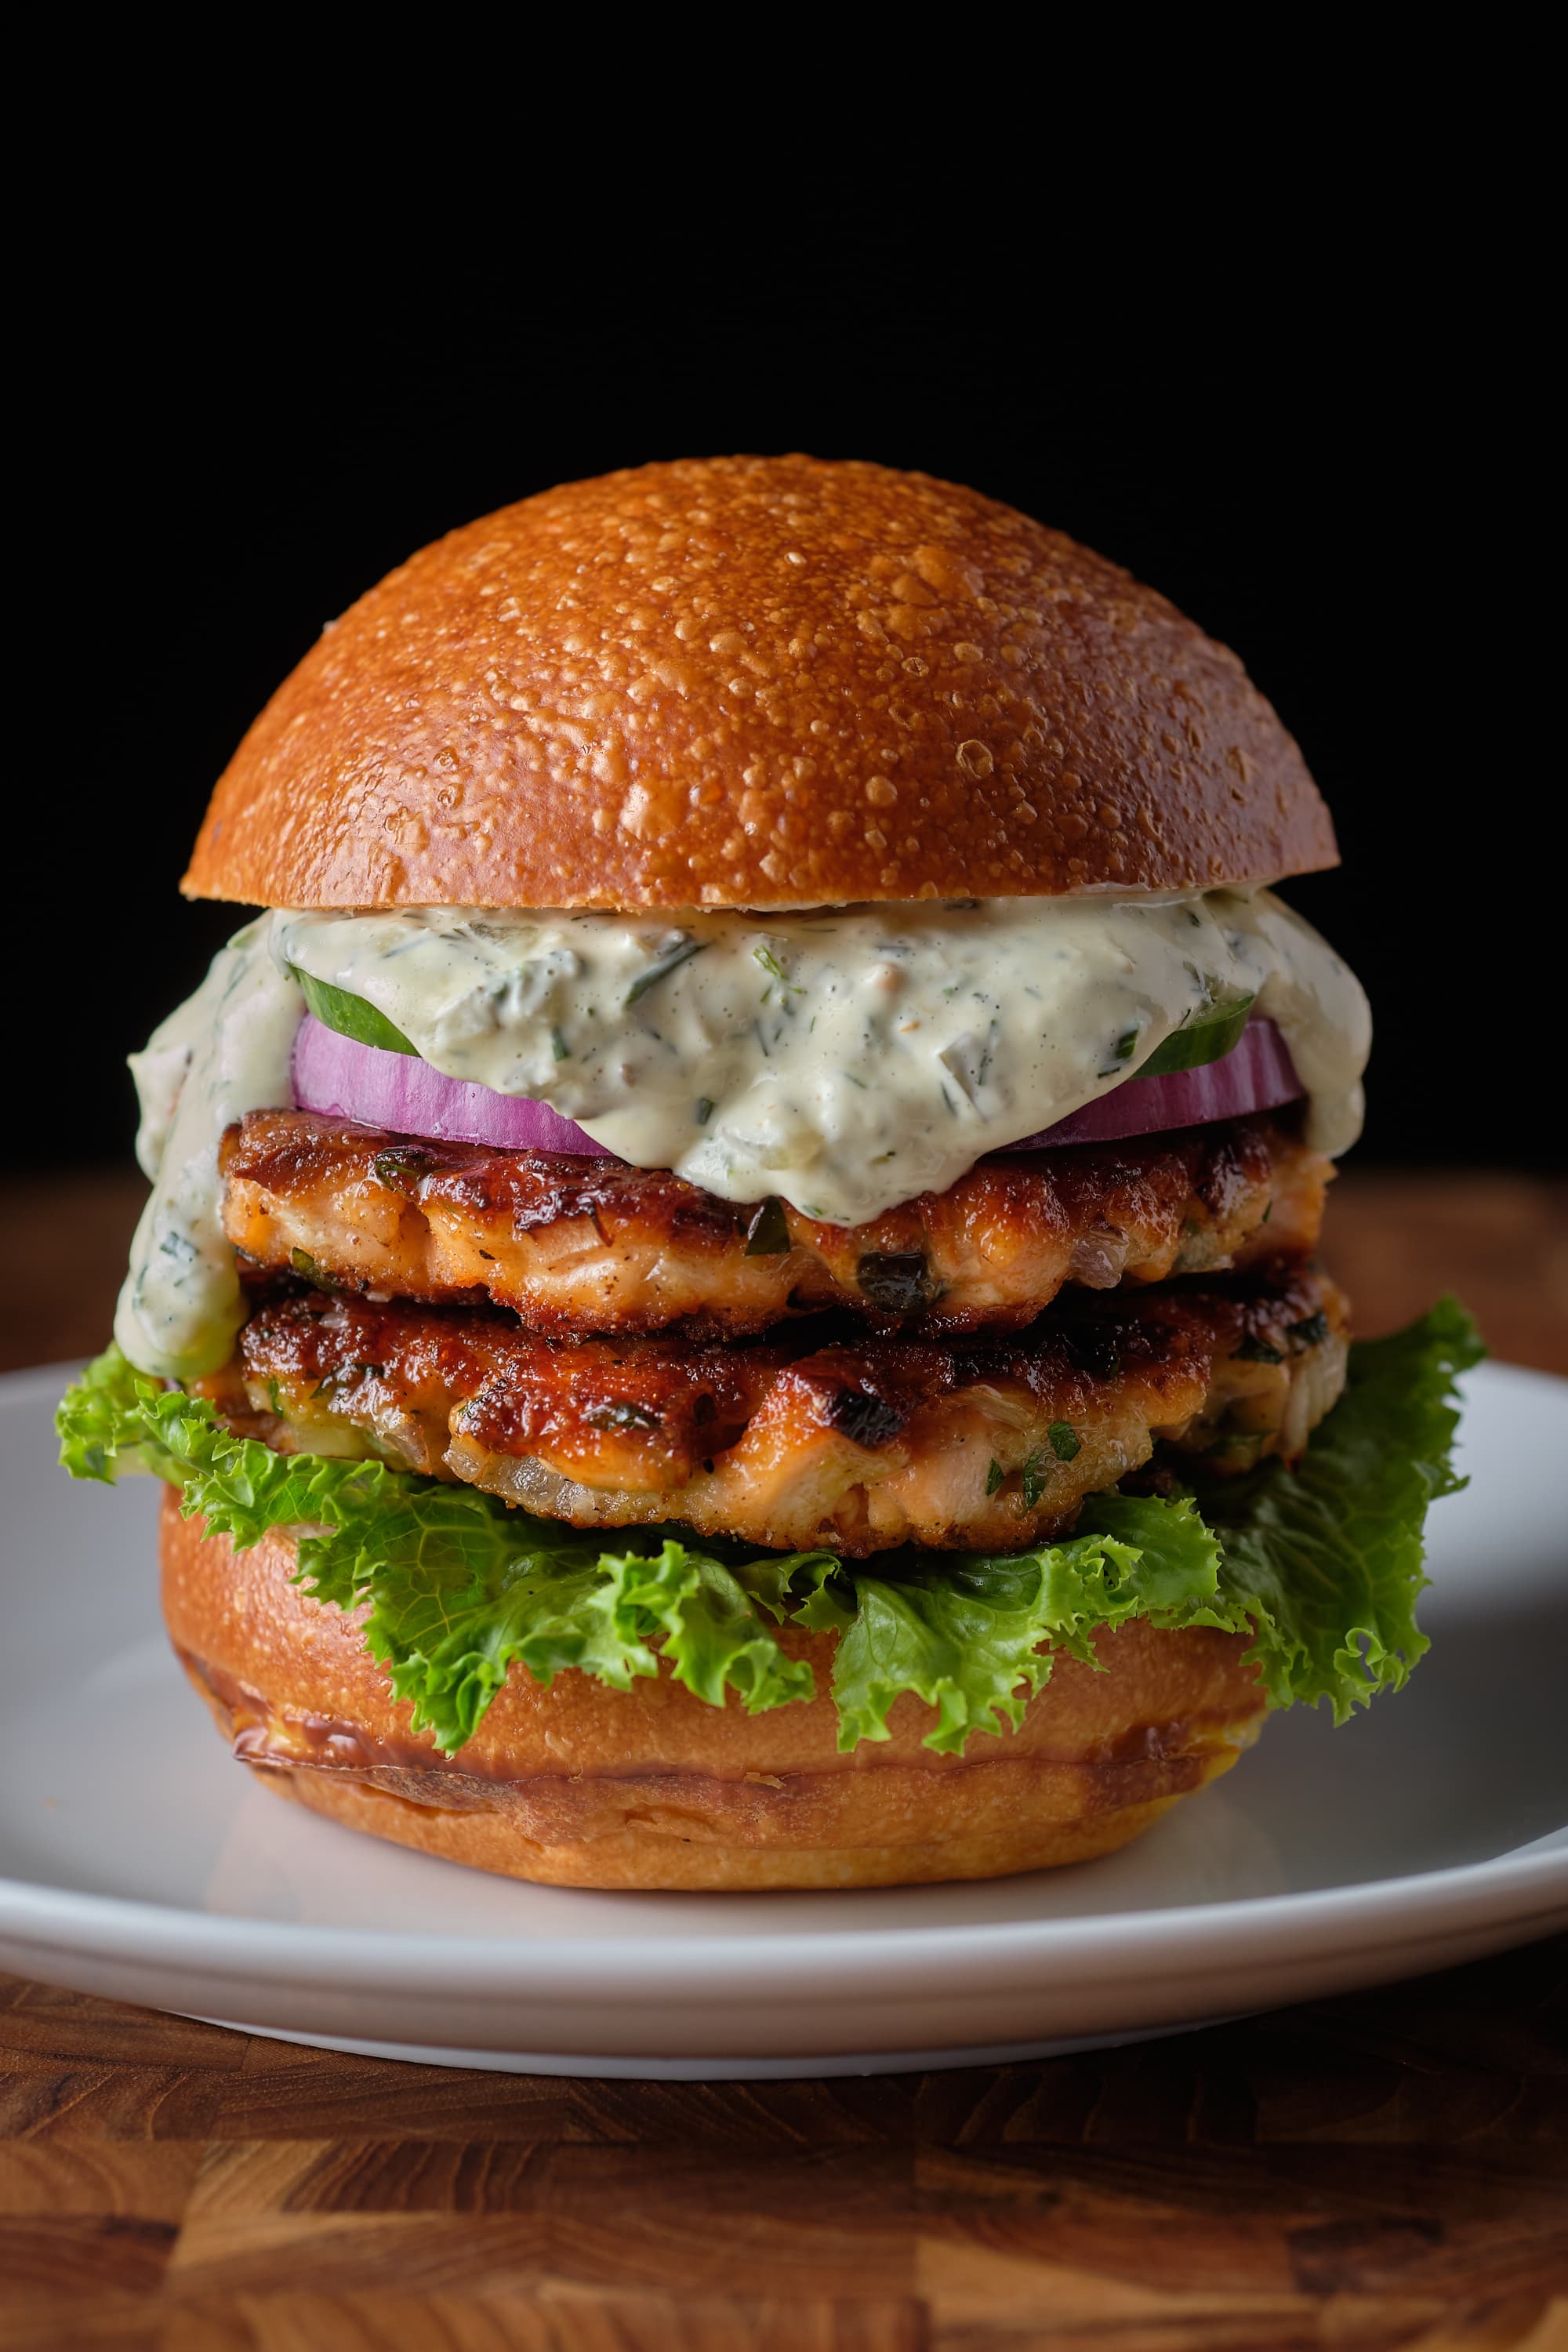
(140, 1863)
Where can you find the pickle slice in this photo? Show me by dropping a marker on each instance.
(352, 1016)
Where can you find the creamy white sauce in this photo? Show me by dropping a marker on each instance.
(844, 1059)
(224, 1051)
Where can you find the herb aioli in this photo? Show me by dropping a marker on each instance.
(841, 1059)
(226, 1051)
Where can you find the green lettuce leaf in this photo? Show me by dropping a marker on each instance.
(100, 1431)
(1326, 1559)
(460, 1587)
(1323, 1563)
(963, 1631)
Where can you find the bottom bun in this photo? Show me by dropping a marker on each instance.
(583, 1786)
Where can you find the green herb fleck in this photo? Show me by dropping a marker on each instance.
(767, 1236)
(624, 1415)
(662, 970)
(704, 1111)
(1034, 1476)
(1311, 1330)
(303, 1263)
(400, 1170)
(995, 1477)
(988, 1050)
(558, 1047)
(1066, 1443)
(1254, 1351)
(776, 972)
(1238, 1447)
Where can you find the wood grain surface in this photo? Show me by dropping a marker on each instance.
(1387, 2169)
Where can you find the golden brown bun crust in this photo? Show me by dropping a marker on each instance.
(756, 681)
(650, 1788)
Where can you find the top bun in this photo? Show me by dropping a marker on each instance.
(756, 682)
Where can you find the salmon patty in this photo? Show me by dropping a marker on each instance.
(574, 1245)
(818, 1435)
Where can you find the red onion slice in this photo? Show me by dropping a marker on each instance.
(1258, 1073)
(341, 1078)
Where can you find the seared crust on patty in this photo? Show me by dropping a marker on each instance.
(574, 1245)
(817, 1435)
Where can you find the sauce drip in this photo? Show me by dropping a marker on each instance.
(224, 1051)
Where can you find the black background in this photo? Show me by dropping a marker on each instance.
(1321, 442)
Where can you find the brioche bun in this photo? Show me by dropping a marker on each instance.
(758, 682)
(583, 1786)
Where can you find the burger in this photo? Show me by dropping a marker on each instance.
(730, 1297)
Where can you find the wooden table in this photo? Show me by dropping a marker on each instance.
(1387, 2169)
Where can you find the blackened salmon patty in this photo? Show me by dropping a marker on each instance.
(575, 1245)
(818, 1435)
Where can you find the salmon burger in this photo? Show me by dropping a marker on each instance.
(730, 1297)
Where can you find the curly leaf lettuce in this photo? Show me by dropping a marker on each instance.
(1323, 1563)
(460, 1588)
(963, 1631)
(1326, 1559)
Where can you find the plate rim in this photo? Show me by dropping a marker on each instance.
(1396, 1911)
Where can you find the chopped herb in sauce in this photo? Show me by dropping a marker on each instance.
(662, 970)
(777, 974)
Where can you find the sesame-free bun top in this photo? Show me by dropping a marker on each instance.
(756, 682)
